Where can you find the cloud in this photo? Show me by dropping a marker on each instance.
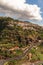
(20, 10)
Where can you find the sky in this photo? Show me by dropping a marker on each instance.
(40, 4)
(27, 10)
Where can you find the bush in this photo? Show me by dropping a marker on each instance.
(34, 58)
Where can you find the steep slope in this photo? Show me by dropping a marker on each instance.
(19, 32)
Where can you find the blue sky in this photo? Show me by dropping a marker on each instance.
(40, 4)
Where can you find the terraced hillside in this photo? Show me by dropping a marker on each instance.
(16, 35)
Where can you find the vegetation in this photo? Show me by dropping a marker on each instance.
(37, 54)
(15, 35)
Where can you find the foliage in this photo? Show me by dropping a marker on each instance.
(14, 35)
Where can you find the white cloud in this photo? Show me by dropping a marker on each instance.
(20, 9)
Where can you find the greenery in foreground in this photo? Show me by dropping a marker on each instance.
(37, 55)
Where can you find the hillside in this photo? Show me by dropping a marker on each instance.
(14, 31)
(16, 35)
